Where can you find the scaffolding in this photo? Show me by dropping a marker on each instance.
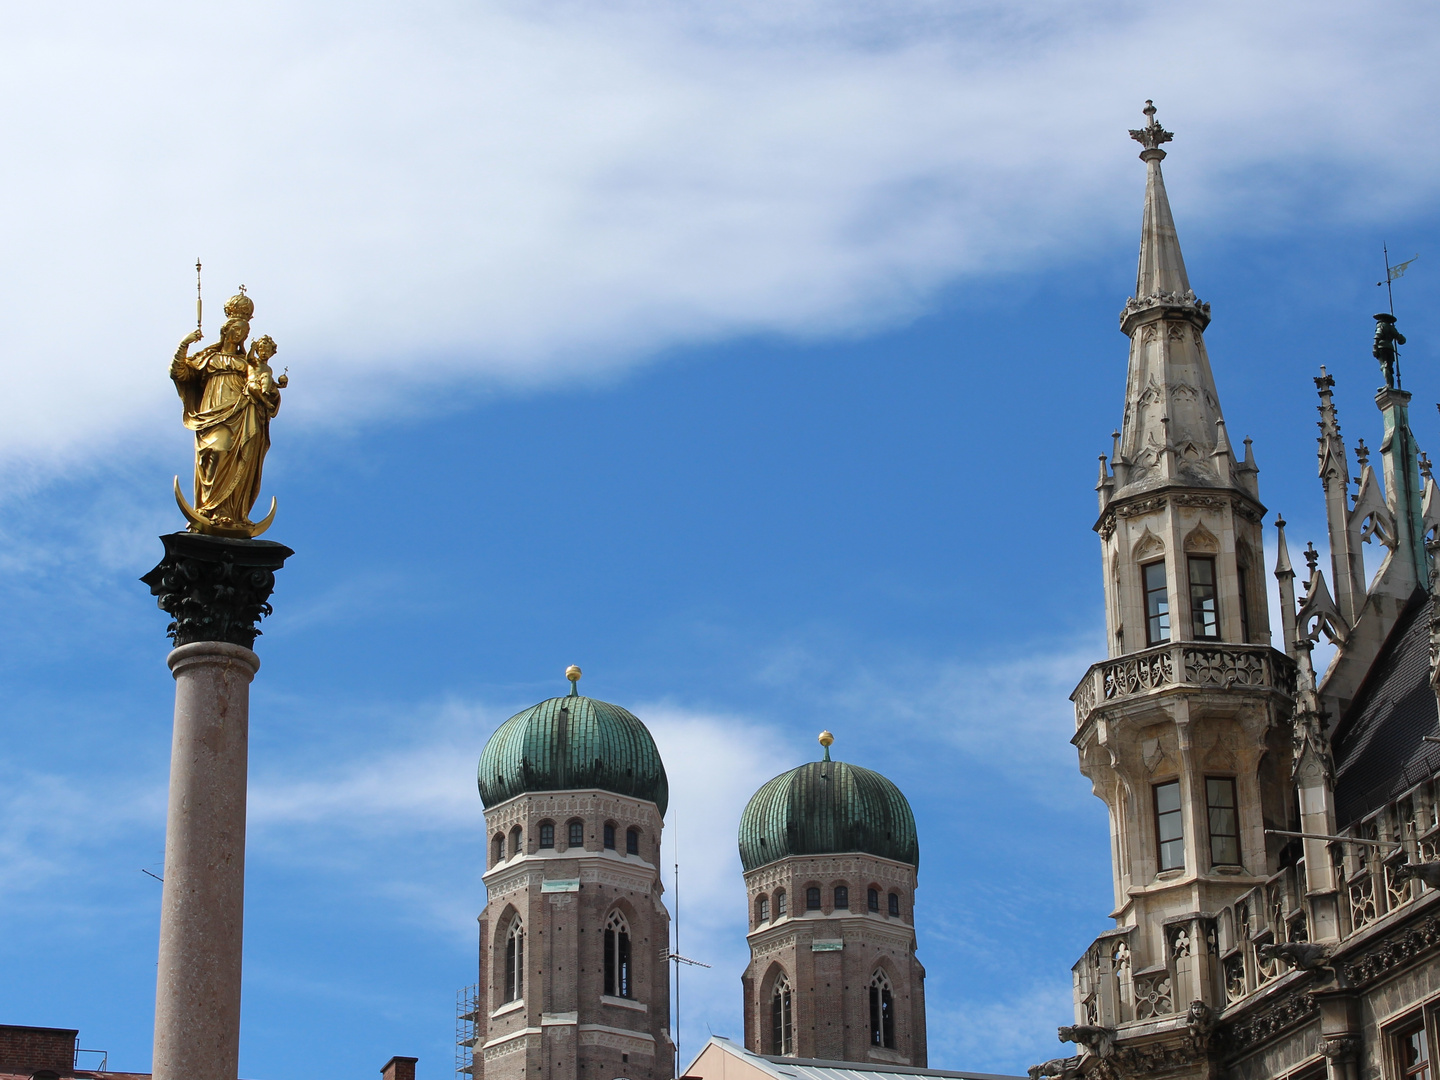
(467, 1016)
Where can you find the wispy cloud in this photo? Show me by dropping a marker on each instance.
(431, 196)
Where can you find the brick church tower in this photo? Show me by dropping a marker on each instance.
(830, 857)
(574, 939)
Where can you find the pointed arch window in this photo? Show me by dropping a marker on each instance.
(782, 1025)
(515, 960)
(882, 1012)
(618, 979)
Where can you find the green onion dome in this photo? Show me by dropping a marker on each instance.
(827, 808)
(572, 743)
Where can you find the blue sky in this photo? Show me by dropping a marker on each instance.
(757, 362)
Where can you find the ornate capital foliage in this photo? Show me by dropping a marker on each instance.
(215, 588)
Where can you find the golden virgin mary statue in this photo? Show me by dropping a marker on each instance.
(229, 396)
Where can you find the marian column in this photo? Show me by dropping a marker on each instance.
(215, 582)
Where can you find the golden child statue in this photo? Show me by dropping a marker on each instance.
(229, 396)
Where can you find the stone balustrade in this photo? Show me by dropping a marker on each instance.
(1190, 664)
(1219, 958)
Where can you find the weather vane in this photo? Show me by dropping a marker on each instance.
(1393, 272)
(1387, 337)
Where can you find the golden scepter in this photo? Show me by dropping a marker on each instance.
(197, 292)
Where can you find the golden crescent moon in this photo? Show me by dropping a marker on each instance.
(201, 525)
(264, 523)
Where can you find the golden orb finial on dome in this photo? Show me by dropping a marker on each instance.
(825, 740)
(573, 674)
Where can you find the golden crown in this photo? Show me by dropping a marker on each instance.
(240, 306)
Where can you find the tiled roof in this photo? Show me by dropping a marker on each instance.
(1378, 744)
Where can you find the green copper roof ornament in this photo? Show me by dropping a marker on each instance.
(825, 740)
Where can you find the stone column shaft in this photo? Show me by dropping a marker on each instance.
(197, 993)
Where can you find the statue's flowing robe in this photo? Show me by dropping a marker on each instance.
(231, 422)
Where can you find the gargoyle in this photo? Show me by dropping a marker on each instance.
(1098, 1040)
(1059, 1068)
(1305, 955)
(1200, 1019)
(1428, 872)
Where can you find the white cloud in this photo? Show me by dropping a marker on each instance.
(429, 195)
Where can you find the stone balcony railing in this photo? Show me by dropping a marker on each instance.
(1223, 958)
(1182, 664)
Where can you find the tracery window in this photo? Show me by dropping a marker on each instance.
(1204, 600)
(618, 981)
(812, 898)
(842, 898)
(547, 834)
(782, 1027)
(1157, 603)
(577, 834)
(515, 960)
(1169, 826)
(882, 1012)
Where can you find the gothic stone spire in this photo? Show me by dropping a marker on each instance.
(1173, 434)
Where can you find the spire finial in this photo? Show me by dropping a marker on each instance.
(1362, 453)
(573, 674)
(1312, 557)
(1426, 465)
(825, 740)
(1152, 134)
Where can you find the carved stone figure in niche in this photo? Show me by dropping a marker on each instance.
(1386, 338)
(229, 397)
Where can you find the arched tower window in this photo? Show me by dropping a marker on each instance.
(895, 904)
(779, 903)
(873, 899)
(547, 834)
(610, 835)
(882, 1012)
(497, 849)
(577, 834)
(618, 979)
(812, 898)
(842, 898)
(515, 960)
(782, 1026)
(515, 835)
(632, 841)
(762, 909)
